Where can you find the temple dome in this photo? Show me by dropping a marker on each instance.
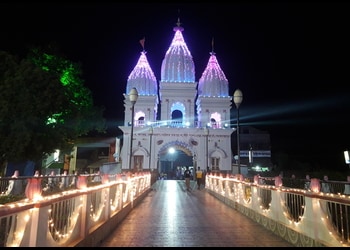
(178, 65)
(213, 81)
(142, 78)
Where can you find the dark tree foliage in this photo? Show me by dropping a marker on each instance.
(44, 106)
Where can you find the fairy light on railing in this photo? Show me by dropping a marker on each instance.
(97, 215)
(18, 228)
(296, 215)
(126, 193)
(65, 233)
(114, 203)
(138, 184)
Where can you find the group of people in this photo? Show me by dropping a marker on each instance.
(61, 182)
(199, 178)
(55, 182)
(326, 186)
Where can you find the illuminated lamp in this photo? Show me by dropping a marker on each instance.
(315, 185)
(33, 188)
(237, 99)
(278, 181)
(82, 181)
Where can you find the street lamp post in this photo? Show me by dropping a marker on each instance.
(237, 99)
(133, 95)
(206, 132)
(150, 145)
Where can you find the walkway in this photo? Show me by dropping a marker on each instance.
(170, 216)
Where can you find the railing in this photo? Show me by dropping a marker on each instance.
(295, 210)
(304, 217)
(334, 187)
(49, 184)
(179, 124)
(72, 216)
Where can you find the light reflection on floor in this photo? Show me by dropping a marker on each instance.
(171, 203)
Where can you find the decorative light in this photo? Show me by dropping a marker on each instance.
(237, 99)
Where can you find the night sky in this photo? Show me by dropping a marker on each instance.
(290, 60)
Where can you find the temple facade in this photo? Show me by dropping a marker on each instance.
(177, 121)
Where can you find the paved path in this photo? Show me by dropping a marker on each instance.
(170, 216)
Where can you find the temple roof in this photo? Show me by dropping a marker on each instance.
(213, 81)
(178, 65)
(142, 78)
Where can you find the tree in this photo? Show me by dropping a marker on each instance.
(44, 106)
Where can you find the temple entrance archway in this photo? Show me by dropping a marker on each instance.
(174, 156)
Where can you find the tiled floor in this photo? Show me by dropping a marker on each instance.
(170, 216)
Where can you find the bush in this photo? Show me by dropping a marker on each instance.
(10, 198)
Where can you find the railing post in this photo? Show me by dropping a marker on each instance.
(82, 181)
(33, 188)
(315, 185)
(278, 181)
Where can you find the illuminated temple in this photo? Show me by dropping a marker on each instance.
(192, 118)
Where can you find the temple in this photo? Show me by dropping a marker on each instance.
(178, 121)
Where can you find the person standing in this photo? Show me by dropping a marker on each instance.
(64, 180)
(307, 183)
(199, 177)
(187, 175)
(97, 178)
(52, 181)
(15, 186)
(325, 188)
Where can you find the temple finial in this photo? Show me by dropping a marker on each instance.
(142, 42)
(178, 18)
(212, 45)
(178, 24)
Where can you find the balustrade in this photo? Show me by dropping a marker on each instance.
(69, 216)
(303, 216)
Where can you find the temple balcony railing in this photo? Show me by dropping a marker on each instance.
(180, 124)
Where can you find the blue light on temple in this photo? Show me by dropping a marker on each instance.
(142, 78)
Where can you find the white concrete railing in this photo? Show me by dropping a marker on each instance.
(77, 217)
(302, 217)
(180, 124)
(81, 217)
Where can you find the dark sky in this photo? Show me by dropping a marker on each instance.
(291, 60)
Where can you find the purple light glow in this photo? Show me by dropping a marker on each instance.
(178, 65)
(213, 81)
(142, 78)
